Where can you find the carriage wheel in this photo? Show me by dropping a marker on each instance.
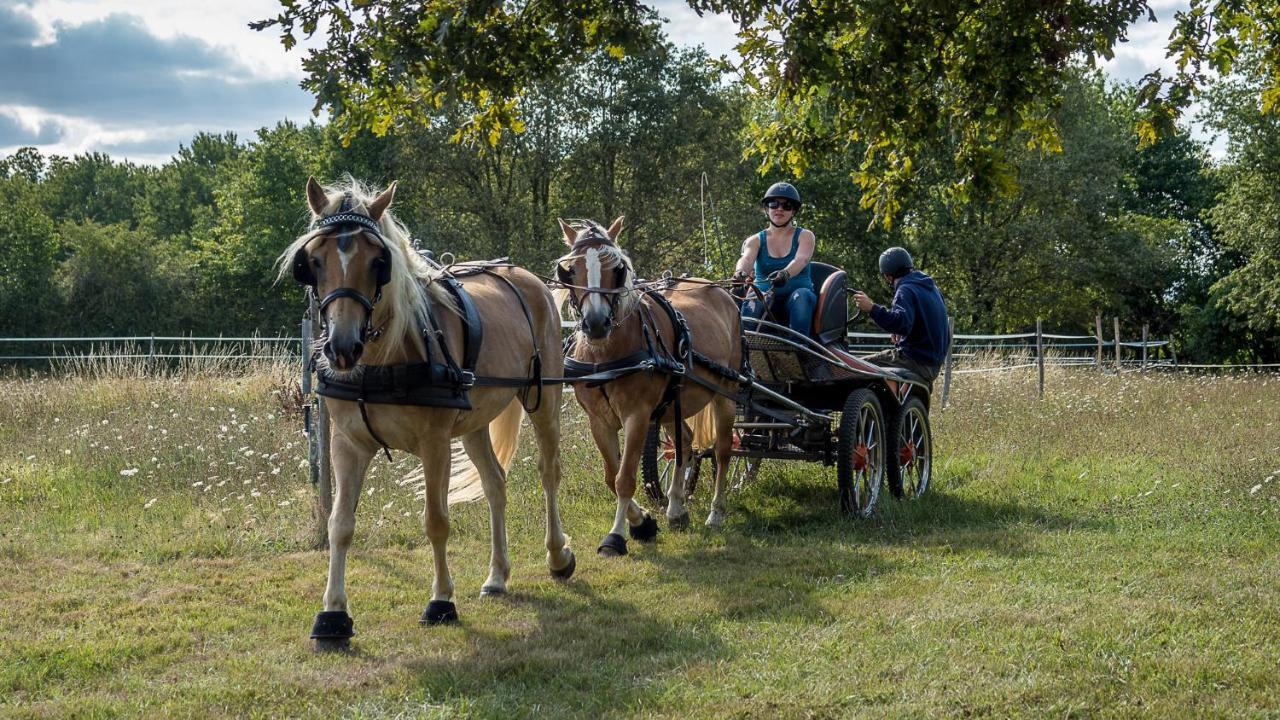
(913, 447)
(860, 462)
(742, 470)
(658, 464)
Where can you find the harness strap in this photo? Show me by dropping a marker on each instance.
(364, 415)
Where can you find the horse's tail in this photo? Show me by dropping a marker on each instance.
(704, 426)
(504, 433)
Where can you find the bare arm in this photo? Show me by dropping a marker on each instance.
(803, 253)
(746, 263)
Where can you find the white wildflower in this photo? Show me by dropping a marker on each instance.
(149, 503)
(129, 472)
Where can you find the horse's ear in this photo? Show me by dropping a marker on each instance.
(316, 197)
(382, 202)
(570, 234)
(615, 229)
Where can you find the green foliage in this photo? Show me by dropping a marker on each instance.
(28, 246)
(1213, 37)
(115, 281)
(95, 188)
(261, 207)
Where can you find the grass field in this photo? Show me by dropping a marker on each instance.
(1110, 551)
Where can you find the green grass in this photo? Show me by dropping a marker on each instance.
(1107, 552)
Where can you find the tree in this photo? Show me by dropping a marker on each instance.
(889, 78)
(28, 246)
(261, 208)
(114, 282)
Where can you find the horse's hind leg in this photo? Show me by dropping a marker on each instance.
(546, 428)
(493, 479)
(435, 455)
(724, 415)
(333, 627)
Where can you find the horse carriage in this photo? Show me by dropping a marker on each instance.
(401, 365)
(807, 397)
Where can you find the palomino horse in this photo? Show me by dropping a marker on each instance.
(360, 262)
(621, 322)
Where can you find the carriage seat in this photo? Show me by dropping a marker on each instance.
(831, 316)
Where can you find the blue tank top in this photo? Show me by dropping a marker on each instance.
(765, 264)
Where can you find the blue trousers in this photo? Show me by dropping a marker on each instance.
(795, 309)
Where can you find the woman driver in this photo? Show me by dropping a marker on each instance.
(778, 257)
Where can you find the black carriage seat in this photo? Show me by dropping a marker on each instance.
(831, 316)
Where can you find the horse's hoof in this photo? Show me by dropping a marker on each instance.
(439, 612)
(332, 644)
(566, 572)
(645, 531)
(492, 591)
(679, 522)
(613, 545)
(715, 519)
(333, 630)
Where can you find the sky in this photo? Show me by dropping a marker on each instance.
(136, 78)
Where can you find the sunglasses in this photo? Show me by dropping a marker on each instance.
(775, 204)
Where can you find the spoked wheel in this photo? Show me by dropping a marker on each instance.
(909, 477)
(860, 464)
(658, 464)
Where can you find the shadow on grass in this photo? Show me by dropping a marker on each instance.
(584, 656)
(781, 506)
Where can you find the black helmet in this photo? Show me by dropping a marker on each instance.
(895, 262)
(782, 190)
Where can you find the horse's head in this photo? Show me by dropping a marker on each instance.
(346, 259)
(597, 274)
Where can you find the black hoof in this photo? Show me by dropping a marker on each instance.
(566, 572)
(332, 644)
(613, 545)
(679, 522)
(333, 630)
(492, 591)
(439, 612)
(645, 531)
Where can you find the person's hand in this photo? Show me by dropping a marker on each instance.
(862, 301)
(778, 278)
(740, 277)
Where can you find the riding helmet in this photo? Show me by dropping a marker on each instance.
(782, 190)
(895, 262)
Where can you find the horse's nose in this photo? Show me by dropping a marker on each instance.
(595, 326)
(343, 356)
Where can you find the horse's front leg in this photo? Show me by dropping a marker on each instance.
(493, 479)
(333, 628)
(546, 426)
(677, 513)
(435, 455)
(629, 514)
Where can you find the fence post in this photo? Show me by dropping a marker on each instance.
(1116, 322)
(946, 377)
(1143, 366)
(1097, 324)
(321, 469)
(151, 352)
(1040, 354)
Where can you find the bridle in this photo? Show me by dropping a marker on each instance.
(352, 222)
(564, 275)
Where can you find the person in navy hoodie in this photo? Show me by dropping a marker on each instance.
(917, 319)
(778, 258)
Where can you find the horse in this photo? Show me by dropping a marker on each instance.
(621, 323)
(388, 311)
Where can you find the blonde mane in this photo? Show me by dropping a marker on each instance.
(611, 256)
(407, 297)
